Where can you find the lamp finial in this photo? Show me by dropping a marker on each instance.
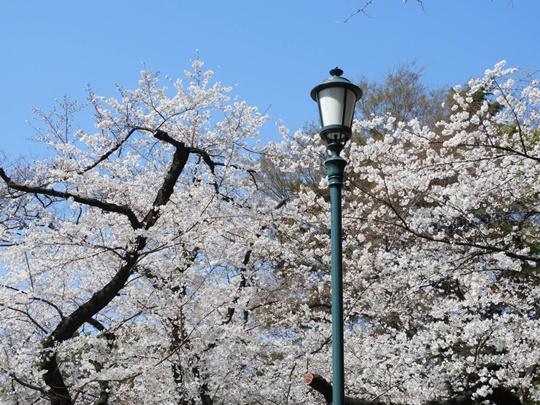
(336, 71)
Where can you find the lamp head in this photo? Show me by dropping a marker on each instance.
(336, 98)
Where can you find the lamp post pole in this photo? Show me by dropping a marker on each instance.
(336, 98)
(336, 167)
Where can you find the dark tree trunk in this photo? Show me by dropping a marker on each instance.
(319, 384)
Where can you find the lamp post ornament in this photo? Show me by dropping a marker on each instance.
(336, 98)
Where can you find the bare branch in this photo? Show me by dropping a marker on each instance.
(362, 10)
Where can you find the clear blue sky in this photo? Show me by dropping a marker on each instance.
(274, 50)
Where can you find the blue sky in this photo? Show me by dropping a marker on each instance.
(275, 51)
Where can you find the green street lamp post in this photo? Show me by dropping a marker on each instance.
(336, 98)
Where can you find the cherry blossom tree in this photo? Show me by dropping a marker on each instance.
(133, 259)
(441, 251)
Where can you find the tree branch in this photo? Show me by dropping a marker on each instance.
(403, 224)
(92, 202)
(367, 4)
(180, 158)
(106, 155)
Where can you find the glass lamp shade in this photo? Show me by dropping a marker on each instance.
(336, 98)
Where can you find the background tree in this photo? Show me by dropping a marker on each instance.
(441, 251)
(402, 94)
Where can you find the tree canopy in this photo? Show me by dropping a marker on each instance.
(156, 258)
